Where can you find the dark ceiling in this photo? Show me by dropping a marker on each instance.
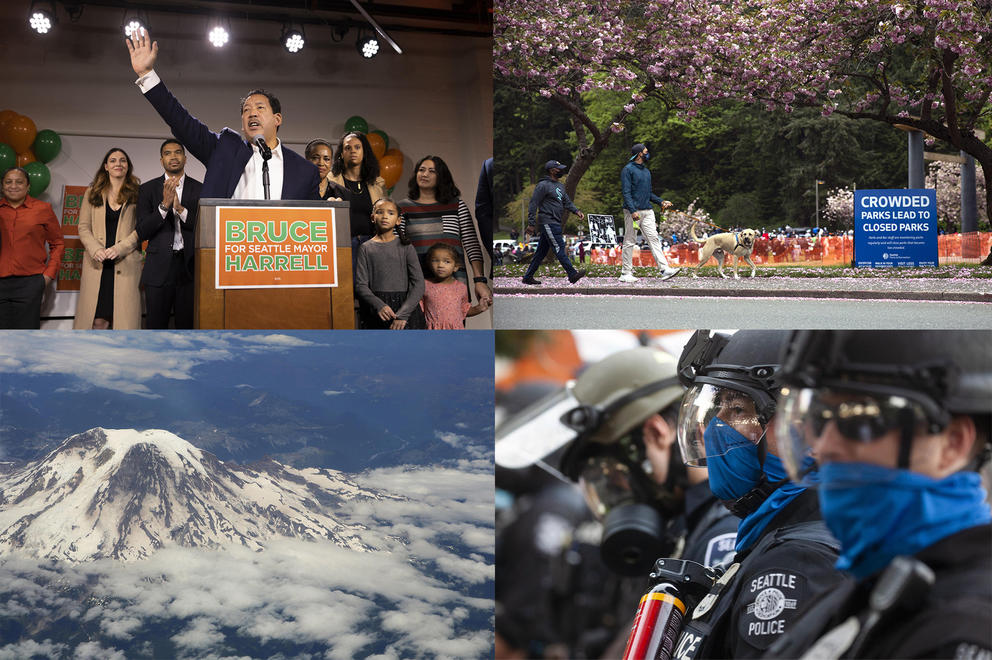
(457, 17)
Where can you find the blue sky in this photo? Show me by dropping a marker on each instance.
(388, 392)
(417, 409)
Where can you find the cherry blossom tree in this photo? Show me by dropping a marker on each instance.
(680, 223)
(838, 209)
(562, 50)
(945, 178)
(921, 64)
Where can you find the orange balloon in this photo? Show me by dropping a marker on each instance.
(25, 157)
(5, 118)
(22, 133)
(391, 168)
(377, 143)
(394, 152)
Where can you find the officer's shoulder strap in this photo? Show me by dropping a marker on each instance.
(809, 530)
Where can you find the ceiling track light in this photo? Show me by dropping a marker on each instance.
(376, 27)
(219, 34)
(134, 22)
(292, 38)
(367, 45)
(41, 18)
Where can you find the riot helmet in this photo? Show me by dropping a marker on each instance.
(870, 382)
(732, 382)
(597, 418)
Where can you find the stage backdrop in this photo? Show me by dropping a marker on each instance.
(435, 99)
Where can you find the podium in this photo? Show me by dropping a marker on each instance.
(272, 305)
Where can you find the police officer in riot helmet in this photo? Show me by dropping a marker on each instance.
(785, 554)
(626, 460)
(898, 422)
(612, 430)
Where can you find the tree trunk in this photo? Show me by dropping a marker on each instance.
(600, 137)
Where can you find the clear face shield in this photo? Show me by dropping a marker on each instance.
(812, 421)
(716, 421)
(531, 435)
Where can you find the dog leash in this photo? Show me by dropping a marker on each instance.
(702, 222)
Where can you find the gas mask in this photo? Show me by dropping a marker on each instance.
(636, 511)
(596, 420)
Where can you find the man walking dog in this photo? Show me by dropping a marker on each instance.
(547, 206)
(635, 180)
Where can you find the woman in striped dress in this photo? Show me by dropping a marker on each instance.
(434, 213)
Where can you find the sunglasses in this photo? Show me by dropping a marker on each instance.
(864, 419)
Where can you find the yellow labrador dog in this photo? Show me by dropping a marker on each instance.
(740, 245)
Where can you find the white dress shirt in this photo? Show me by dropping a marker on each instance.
(177, 239)
(250, 185)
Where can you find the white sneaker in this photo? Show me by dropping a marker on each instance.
(628, 277)
(669, 273)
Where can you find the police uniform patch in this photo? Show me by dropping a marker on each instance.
(769, 601)
(720, 550)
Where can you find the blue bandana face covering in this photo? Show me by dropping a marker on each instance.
(736, 470)
(732, 460)
(878, 512)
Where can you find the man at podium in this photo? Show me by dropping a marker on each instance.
(252, 165)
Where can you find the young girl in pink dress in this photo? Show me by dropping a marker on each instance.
(445, 302)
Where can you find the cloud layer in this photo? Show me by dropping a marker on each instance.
(430, 595)
(126, 361)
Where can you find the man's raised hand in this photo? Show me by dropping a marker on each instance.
(143, 51)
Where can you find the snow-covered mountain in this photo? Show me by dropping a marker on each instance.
(126, 493)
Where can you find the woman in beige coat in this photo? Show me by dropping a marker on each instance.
(108, 291)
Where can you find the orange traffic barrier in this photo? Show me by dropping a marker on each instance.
(828, 251)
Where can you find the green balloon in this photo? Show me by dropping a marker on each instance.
(8, 157)
(356, 124)
(382, 134)
(38, 177)
(47, 145)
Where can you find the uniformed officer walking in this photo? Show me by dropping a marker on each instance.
(899, 422)
(785, 554)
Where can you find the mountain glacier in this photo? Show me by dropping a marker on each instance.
(124, 494)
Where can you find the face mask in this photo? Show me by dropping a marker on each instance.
(645, 157)
(732, 460)
(878, 512)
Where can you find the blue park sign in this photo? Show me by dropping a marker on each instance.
(895, 228)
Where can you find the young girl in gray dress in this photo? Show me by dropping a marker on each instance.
(388, 280)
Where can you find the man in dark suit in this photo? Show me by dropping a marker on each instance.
(234, 162)
(484, 209)
(167, 208)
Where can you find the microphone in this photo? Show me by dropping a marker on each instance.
(262, 147)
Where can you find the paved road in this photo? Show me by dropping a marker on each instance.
(579, 311)
(760, 303)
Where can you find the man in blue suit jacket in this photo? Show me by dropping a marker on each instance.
(233, 161)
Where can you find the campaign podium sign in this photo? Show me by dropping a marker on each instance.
(602, 229)
(266, 247)
(895, 228)
(273, 264)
